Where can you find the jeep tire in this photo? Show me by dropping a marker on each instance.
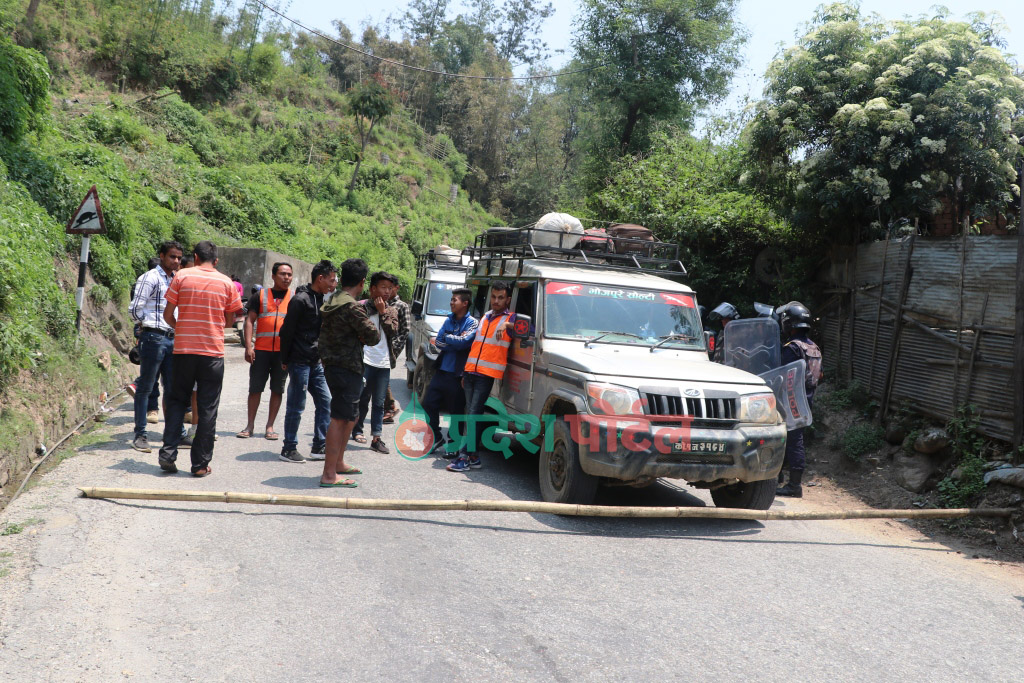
(751, 495)
(562, 480)
(421, 377)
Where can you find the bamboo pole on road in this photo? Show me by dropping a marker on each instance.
(531, 506)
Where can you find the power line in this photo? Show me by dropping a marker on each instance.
(402, 65)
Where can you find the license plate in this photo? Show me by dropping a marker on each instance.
(698, 447)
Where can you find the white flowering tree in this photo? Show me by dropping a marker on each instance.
(867, 121)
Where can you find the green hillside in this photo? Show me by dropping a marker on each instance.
(190, 134)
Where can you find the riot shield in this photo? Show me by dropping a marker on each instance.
(752, 344)
(788, 384)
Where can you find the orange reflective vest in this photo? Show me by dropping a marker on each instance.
(269, 321)
(489, 355)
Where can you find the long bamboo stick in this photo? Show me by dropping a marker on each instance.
(530, 506)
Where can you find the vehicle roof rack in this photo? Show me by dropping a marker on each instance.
(433, 260)
(491, 251)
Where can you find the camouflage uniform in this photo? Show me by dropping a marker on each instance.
(398, 341)
(346, 329)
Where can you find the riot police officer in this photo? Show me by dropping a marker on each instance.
(725, 312)
(796, 324)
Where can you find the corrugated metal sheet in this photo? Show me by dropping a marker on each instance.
(924, 377)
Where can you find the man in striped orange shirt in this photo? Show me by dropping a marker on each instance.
(206, 302)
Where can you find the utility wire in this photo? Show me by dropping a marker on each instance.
(402, 65)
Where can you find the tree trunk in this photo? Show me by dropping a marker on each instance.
(632, 115)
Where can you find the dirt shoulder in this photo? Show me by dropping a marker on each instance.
(834, 479)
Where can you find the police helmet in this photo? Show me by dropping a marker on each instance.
(795, 316)
(724, 311)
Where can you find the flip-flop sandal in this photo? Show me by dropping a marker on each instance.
(206, 471)
(351, 470)
(341, 483)
(271, 435)
(244, 434)
(359, 438)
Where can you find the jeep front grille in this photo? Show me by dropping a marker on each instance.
(704, 409)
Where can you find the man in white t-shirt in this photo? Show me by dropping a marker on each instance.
(378, 361)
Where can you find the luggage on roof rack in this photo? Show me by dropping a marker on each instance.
(618, 253)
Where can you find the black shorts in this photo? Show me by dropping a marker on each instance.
(346, 388)
(267, 364)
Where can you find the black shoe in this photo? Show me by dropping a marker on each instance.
(168, 465)
(291, 455)
(793, 488)
(318, 453)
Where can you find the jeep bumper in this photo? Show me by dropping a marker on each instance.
(629, 451)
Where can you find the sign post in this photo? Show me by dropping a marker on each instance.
(86, 221)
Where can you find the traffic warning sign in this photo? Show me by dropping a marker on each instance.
(88, 220)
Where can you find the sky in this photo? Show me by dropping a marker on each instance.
(768, 22)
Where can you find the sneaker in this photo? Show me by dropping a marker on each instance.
(475, 464)
(152, 417)
(130, 388)
(291, 455)
(168, 465)
(186, 441)
(318, 453)
(377, 444)
(141, 444)
(461, 464)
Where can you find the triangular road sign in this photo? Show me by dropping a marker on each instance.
(88, 220)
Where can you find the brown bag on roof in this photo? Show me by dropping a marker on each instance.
(629, 231)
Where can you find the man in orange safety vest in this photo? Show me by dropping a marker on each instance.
(486, 363)
(267, 309)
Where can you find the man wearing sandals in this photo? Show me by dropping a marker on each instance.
(261, 336)
(206, 302)
(346, 329)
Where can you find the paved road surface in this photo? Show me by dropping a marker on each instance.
(101, 591)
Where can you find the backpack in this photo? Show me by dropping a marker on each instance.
(595, 239)
(812, 358)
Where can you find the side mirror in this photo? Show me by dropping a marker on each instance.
(521, 327)
(709, 341)
(417, 309)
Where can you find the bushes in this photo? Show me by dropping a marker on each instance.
(24, 86)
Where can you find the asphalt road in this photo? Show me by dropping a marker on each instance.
(98, 590)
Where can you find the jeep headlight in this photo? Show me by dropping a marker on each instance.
(611, 399)
(759, 408)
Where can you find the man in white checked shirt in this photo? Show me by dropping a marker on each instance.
(156, 341)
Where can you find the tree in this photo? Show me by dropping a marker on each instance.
(663, 59)
(423, 19)
(866, 120)
(369, 102)
(687, 191)
(24, 89)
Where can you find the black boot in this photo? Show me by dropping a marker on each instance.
(782, 476)
(792, 489)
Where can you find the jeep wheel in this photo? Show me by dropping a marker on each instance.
(562, 480)
(752, 495)
(421, 379)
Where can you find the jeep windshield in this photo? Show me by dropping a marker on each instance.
(621, 315)
(439, 298)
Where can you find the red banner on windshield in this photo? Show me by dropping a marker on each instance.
(620, 294)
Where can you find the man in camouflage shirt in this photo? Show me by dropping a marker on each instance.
(345, 330)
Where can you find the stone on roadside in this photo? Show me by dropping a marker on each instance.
(914, 472)
(931, 440)
(1011, 476)
(895, 433)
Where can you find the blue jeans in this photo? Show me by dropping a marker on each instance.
(478, 389)
(375, 385)
(155, 359)
(303, 378)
